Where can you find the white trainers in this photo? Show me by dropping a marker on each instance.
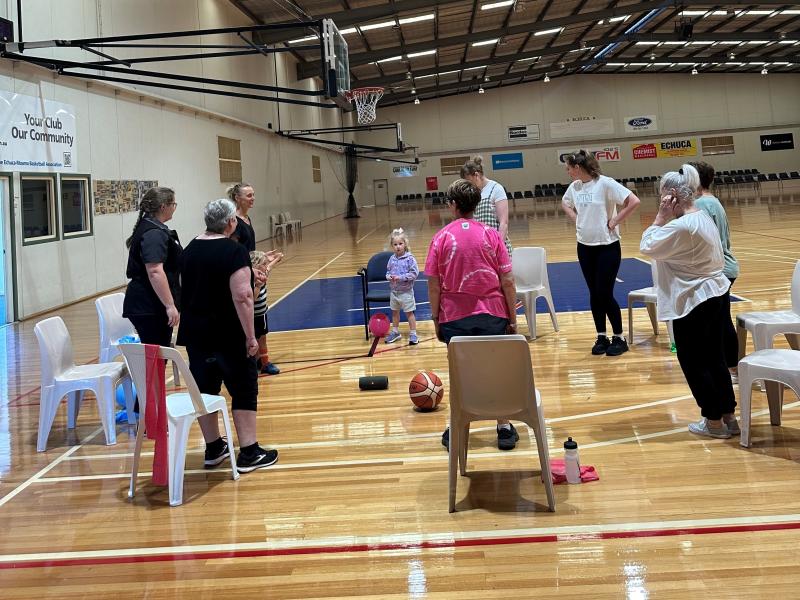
(733, 427)
(702, 428)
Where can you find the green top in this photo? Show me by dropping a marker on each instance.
(712, 206)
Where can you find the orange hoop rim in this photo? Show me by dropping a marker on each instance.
(360, 92)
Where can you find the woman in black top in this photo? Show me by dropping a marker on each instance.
(244, 196)
(217, 330)
(152, 299)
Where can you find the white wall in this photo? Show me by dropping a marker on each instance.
(125, 134)
(742, 105)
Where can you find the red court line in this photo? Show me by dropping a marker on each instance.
(425, 545)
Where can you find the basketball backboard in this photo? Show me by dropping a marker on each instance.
(335, 60)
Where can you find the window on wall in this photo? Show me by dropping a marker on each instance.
(452, 165)
(38, 208)
(230, 159)
(722, 144)
(75, 206)
(316, 169)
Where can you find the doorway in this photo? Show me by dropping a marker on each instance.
(6, 306)
(380, 189)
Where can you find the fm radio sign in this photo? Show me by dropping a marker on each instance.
(602, 154)
(641, 123)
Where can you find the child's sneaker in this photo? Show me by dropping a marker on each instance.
(702, 428)
(271, 369)
(393, 337)
(412, 339)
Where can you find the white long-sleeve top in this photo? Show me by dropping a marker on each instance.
(689, 263)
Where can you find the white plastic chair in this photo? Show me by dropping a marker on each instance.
(182, 410)
(278, 226)
(62, 377)
(777, 368)
(503, 388)
(649, 297)
(113, 327)
(764, 326)
(294, 224)
(529, 267)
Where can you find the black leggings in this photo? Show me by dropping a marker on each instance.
(152, 329)
(701, 354)
(600, 265)
(729, 337)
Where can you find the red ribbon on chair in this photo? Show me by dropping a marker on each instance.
(155, 414)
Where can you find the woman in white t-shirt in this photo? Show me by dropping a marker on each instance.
(492, 210)
(591, 201)
(691, 286)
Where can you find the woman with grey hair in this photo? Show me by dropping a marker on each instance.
(217, 330)
(685, 243)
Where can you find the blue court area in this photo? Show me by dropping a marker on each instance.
(336, 302)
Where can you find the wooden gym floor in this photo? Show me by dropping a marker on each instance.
(357, 505)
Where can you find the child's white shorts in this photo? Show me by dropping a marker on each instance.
(403, 301)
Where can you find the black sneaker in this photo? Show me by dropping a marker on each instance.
(216, 453)
(446, 439)
(257, 460)
(601, 345)
(507, 438)
(618, 346)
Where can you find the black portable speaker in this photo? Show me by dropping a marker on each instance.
(373, 382)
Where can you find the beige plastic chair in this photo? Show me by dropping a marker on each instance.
(113, 327)
(649, 297)
(182, 410)
(502, 388)
(62, 377)
(764, 326)
(529, 267)
(778, 368)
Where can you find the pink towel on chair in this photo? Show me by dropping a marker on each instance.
(559, 471)
(155, 416)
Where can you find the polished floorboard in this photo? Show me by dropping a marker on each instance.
(357, 505)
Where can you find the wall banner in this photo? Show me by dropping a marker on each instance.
(777, 141)
(669, 149)
(523, 133)
(601, 153)
(581, 126)
(431, 184)
(405, 171)
(641, 123)
(37, 134)
(512, 160)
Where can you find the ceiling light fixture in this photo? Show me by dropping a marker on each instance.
(485, 42)
(618, 19)
(423, 53)
(303, 39)
(390, 59)
(694, 71)
(732, 55)
(546, 78)
(492, 5)
(413, 91)
(764, 71)
(377, 25)
(417, 19)
(549, 31)
(481, 90)
(416, 100)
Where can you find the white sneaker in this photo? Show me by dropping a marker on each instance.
(733, 426)
(702, 428)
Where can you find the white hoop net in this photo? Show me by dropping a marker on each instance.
(365, 99)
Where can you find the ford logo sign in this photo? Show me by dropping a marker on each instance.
(640, 122)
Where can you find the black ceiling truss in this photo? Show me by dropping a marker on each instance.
(97, 69)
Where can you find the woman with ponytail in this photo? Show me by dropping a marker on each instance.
(686, 245)
(152, 299)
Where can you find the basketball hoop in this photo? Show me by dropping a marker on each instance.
(365, 99)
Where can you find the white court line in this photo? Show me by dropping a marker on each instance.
(274, 304)
(408, 437)
(567, 532)
(381, 307)
(34, 478)
(402, 460)
(366, 235)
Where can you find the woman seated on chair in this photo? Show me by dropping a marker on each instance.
(691, 287)
(217, 330)
(470, 285)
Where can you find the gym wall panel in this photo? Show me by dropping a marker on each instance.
(76, 280)
(742, 105)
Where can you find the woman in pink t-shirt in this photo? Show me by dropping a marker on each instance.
(470, 285)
